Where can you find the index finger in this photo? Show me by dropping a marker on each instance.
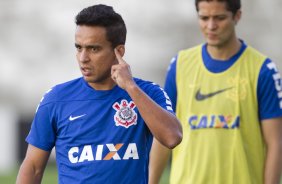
(118, 56)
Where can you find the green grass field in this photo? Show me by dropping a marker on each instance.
(50, 176)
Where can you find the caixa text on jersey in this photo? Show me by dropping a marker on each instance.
(91, 153)
(214, 121)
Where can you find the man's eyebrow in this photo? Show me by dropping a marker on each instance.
(92, 46)
(87, 46)
(77, 45)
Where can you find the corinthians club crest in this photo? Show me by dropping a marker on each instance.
(125, 115)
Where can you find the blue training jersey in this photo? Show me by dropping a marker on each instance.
(269, 88)
(99, 136)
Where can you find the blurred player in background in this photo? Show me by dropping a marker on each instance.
(228, 97)
(102, 124)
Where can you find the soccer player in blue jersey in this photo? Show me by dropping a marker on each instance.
(228, 97)
(102, 124)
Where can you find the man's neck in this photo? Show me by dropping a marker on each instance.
(106, 85)
(226, 51)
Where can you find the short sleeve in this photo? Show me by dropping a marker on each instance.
(159, 95)
(156, 93)
(170, 82)
(269, 91)
(42, 133)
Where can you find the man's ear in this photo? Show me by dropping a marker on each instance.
(237, 16)
(121, 49)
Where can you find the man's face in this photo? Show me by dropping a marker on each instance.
(95, 54)
(217, 23)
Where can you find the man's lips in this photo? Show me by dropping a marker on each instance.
(86, 71)
(211, 36)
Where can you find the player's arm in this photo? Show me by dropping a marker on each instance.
(164, 125)
(270, 109)
(33, 166)
(159, 157)
(272, 132)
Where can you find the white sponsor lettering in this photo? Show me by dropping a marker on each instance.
(277, 80)
(113, 149)
(72, 158)
(131, 152)
(85, 153)
(99, 152)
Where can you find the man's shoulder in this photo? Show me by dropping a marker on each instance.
(142, 83)
(189, 54)
(254, 57)
(61, 91)
(147, 86)
(69, 84)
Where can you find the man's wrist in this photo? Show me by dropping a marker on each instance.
(131, 87)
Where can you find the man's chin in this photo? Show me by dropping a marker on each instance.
(212, 43)
(89, 79)
(94, 80)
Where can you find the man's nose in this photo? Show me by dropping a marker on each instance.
(212, 24)
(84, 56)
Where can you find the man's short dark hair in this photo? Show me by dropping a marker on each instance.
(104, 16)
(231, 5)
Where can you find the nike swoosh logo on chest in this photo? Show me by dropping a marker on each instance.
(72, 118)
(200, 97)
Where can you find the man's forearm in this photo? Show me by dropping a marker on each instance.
(28, 175)
(272, 133)
(273, 165)
(164, 125)
(159, 157)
